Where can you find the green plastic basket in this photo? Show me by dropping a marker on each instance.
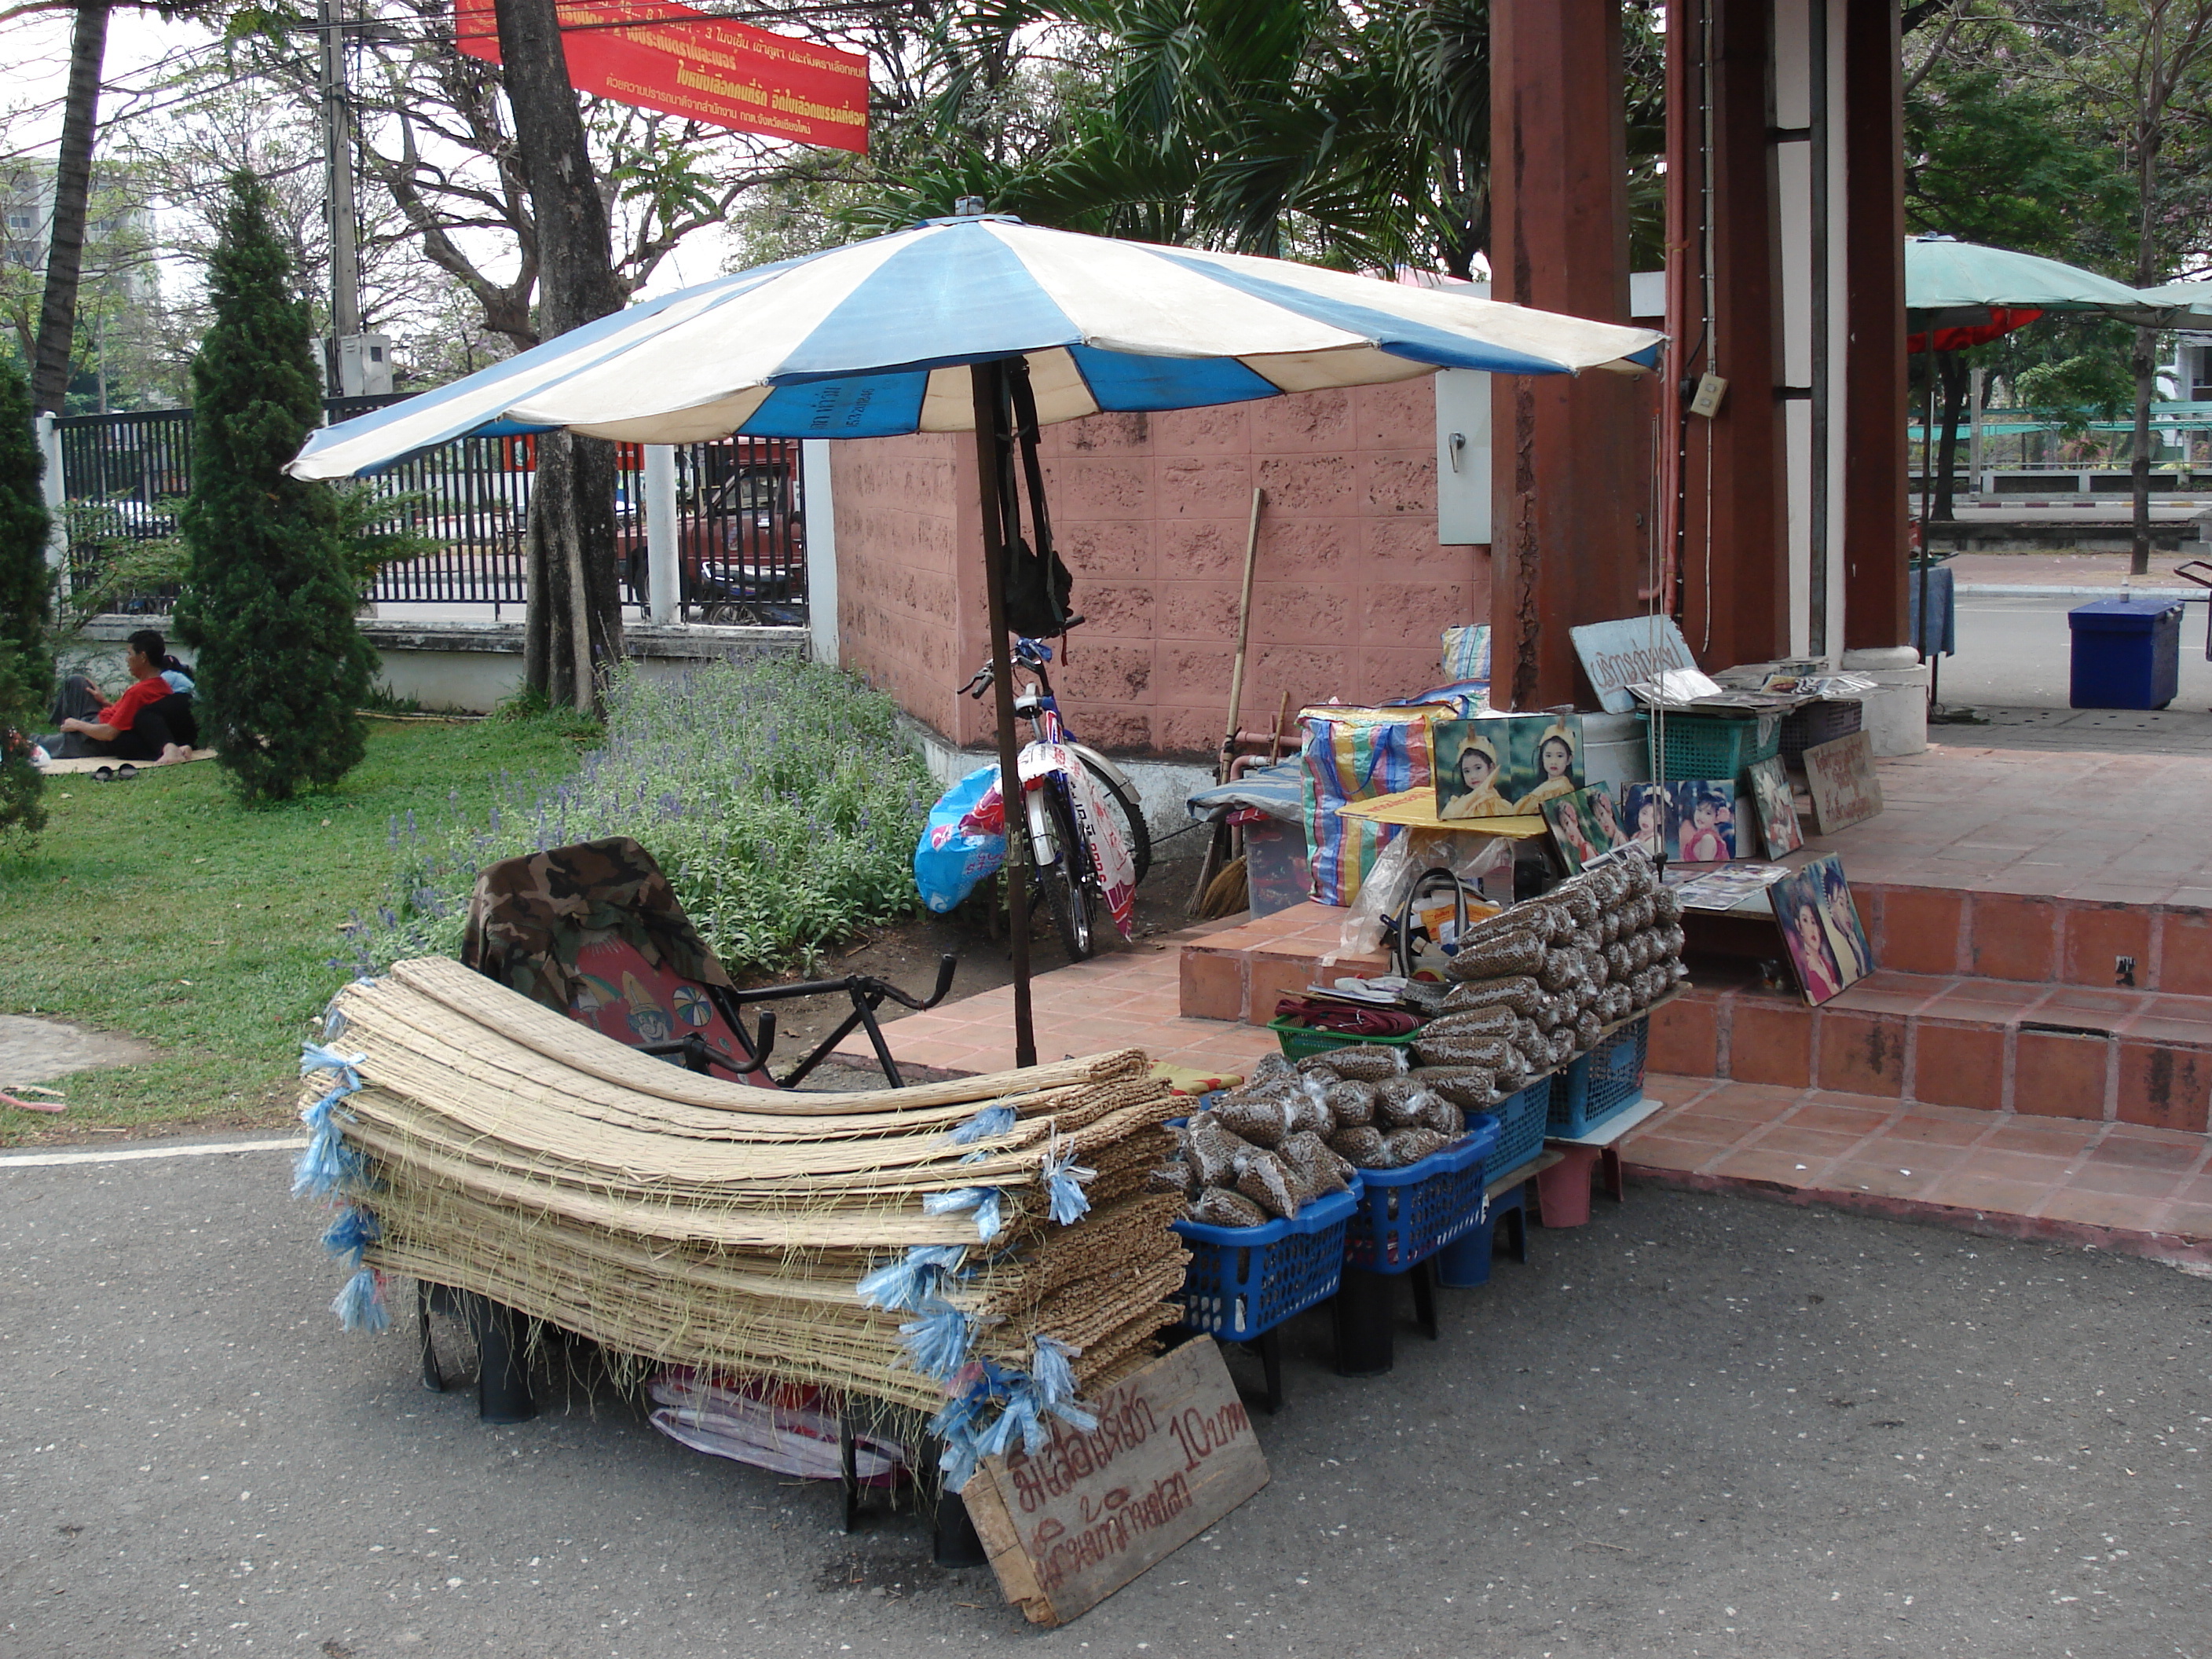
(1712, 745)
(1299, 1041)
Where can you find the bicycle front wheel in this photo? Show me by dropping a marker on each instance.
(1067, 889)
(1134, 829)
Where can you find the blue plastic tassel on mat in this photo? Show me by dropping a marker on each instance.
(360, 1306)
(327, 1164)
(1062, 1178)
(991, 1120)
(904, 1285)
(983, 1201)
(960, 1422)
(938, 1341)
(1055, 1377)
(354, 1231)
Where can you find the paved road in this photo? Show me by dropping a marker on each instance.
(1699, 1426)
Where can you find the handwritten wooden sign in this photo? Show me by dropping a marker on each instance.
(1617, 654)
(1845, 790)
(1172, 1454)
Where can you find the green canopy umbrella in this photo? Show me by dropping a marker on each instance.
(1951, 284)
(2191, 302)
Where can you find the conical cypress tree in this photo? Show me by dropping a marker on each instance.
(270, 589)
(26, 658)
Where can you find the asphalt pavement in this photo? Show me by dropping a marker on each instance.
(1700, 1424)
(2014, 663)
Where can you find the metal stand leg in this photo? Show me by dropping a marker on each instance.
(1424, 1298)
(1365, 1307)
(433, 1378)
(1270, 1345)
(503, 1394)
(848, 1473)
(955, 1544)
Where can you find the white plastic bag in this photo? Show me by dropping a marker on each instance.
(1482, 863)
(778, 1426)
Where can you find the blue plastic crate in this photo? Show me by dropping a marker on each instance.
(1607, 1080)
(1521, 1119)
(1244, 1280)
(2126, 653)
(1406, 1216)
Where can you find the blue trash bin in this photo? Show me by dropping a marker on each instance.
(2127, 653)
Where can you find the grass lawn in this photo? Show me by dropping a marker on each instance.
(163, 908)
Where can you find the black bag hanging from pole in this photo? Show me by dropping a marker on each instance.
(1038, 584)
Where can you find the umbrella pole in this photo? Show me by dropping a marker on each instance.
(1927, 427)
(989, 384)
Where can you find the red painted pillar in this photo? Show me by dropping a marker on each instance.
(1874, 371)
(1572, 462)
(1727, 479)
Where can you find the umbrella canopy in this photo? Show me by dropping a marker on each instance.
(873, 339)
(2192, 301)
(926, 329)
(1961, 336)
(1950, 284)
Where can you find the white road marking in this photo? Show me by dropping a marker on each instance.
(131, 1154)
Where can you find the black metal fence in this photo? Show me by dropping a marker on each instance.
(740, 519)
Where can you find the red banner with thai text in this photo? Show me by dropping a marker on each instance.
(660, 56)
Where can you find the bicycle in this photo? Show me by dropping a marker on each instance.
(1071, 872)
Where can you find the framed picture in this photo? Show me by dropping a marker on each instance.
(1643, 816)
(1820, 926)
(1777, 809)
(1841, 777)
(1586, 826)
(1545, 761)
(1470, 769)
(1571, 832)
(1701, 825)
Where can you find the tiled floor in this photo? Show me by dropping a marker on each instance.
(2062, 825)
(1126, 999)
(2116, 1185)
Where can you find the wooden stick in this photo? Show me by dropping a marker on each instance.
(1244, 636)
(1275, 742)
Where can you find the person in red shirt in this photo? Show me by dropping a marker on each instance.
(151, 721)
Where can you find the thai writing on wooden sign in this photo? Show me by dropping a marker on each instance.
(1841, 777)
(1172, 1454)
(1617, 654)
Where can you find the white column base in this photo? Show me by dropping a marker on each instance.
(1896, 710)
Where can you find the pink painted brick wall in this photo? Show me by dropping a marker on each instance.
(1150, 512)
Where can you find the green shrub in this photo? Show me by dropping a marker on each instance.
(272, 585)
(779, 796)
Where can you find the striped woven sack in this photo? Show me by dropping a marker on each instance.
(1355, 755)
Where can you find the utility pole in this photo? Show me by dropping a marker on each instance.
(337, 195)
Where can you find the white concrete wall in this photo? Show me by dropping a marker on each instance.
(466, 667)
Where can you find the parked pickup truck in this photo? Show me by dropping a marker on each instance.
(740, 549)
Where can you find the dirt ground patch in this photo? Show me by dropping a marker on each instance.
(39, 1050)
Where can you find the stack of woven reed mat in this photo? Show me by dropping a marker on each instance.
(985, 1246)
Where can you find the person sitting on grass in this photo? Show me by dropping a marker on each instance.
(151, 721)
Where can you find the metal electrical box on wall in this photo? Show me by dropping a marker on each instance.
(364, 365)
(1463, 456)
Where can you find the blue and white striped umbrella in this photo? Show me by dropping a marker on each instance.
(873, 339)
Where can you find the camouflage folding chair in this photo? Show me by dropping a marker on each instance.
(596, 932)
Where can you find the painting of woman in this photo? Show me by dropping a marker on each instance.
(1555, 768)
(1477, 774)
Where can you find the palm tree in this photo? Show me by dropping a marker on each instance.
(1352, 135)
(50, 375)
